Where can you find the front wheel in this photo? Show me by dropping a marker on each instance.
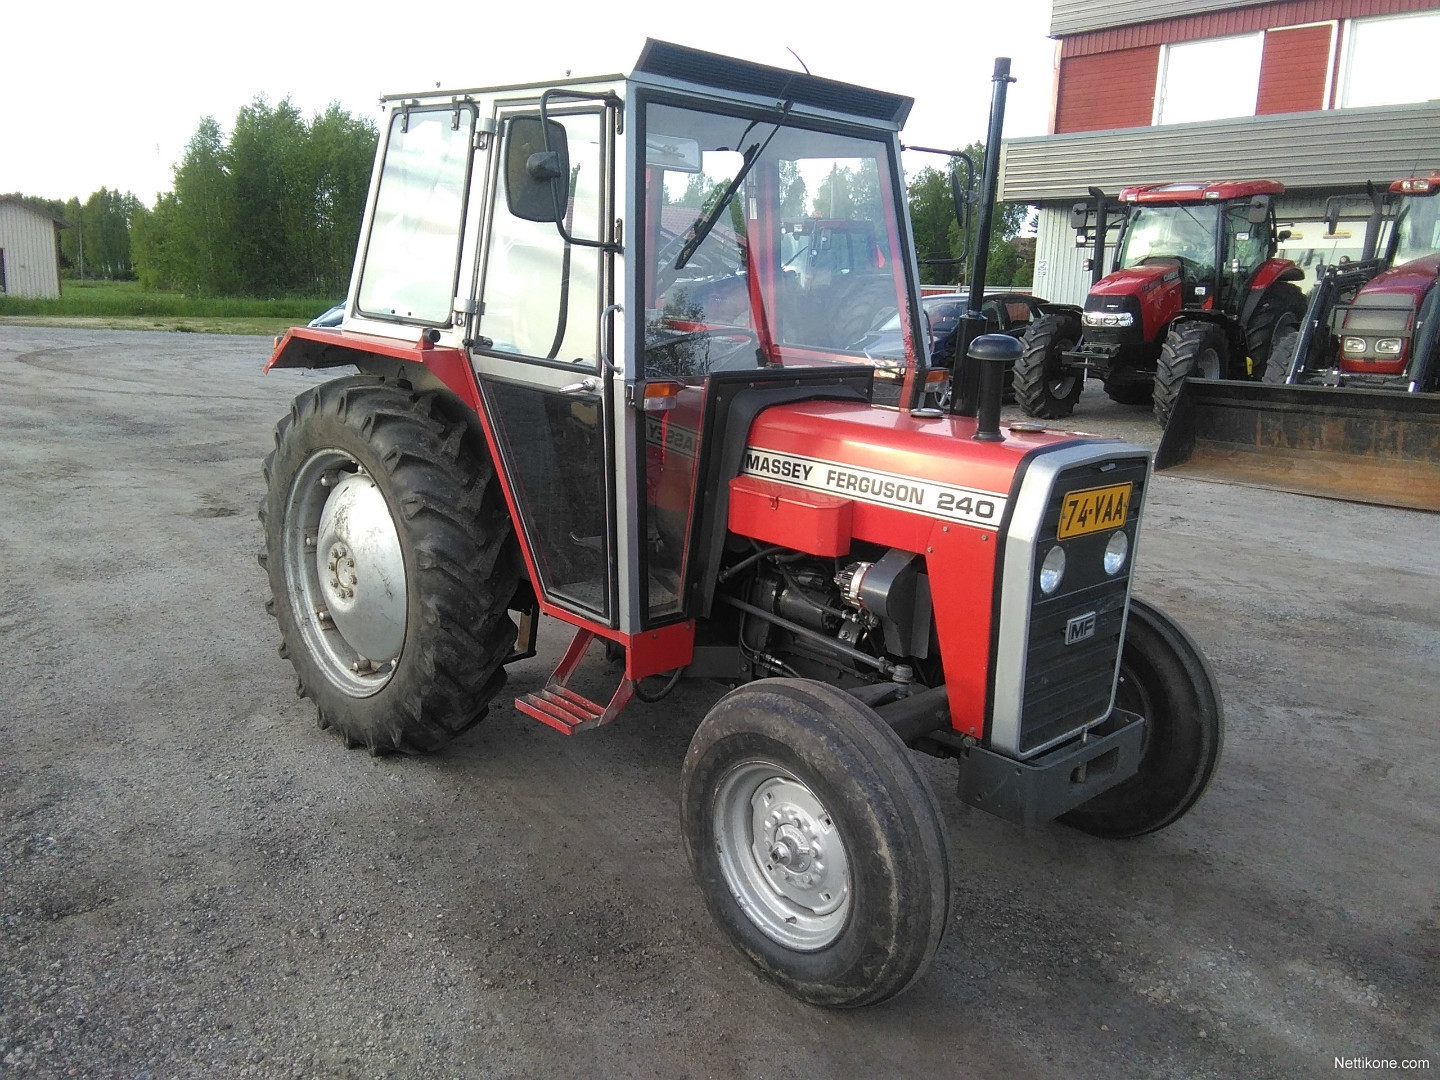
(1042, 387)
(1193, 349)
(391, 562)
(1164, 678)
(816, 841)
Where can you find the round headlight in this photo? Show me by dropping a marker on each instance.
(1052, 570)
(1116, 551)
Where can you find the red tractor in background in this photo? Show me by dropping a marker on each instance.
(1371, 324)
(1196, 290)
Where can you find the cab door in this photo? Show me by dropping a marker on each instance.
(542, 338)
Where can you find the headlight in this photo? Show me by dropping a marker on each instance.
(1052, 570)
(1353, 346)
(1108, 318)
(1116, 551)
(1389, 346)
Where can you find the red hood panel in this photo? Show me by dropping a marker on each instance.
(1409, 279)
(891, 459)
(1134, 280)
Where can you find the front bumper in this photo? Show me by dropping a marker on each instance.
(1059, 780)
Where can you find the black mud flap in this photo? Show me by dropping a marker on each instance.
(1050, 784)
(1370, 446)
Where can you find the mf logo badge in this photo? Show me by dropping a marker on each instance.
(1079, 628)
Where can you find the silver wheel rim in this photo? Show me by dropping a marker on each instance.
(345, 572)
(782, 856)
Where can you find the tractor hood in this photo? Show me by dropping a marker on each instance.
(1413, 279)
(883, 460)
(1135, 280)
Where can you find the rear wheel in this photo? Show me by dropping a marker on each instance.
(1279, 313)
(391, 563)
(816, 841)
(1130, 388)
(1191, 350)
(1164, 678)
(1042, 388)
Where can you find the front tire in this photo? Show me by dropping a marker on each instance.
(1282, 355)
(1192, 350)
(1164, 678)
(1130, 388)
(816, 841)
(1042, 388)
(391, 562)
(1278, 314)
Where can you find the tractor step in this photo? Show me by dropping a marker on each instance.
(562, 708)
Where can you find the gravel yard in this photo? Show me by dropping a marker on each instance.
(195, 881)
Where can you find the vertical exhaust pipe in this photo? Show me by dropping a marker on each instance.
(992, 353)
(965, 379)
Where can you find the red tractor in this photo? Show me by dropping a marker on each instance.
(1372, 324)
(557, 412)
(1196, 290)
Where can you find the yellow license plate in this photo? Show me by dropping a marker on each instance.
(1094, 510)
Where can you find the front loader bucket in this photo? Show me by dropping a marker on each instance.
(1372, 446)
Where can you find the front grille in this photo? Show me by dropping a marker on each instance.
(1069, 686)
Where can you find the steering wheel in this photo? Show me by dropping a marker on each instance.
(693, 353)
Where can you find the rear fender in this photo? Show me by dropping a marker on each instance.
(1272, 271)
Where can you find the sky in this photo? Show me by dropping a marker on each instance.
(108, 94)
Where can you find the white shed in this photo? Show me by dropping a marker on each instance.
(29, 249)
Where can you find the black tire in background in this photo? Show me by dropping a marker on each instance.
(1192, 349)
(1280, 311)
(1164, 678)
(1130, 388)
(422, 480)
(1282, 355)
(1041, 388)
(816, 842)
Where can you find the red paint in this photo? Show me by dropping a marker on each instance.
(1412, 279)
(1273, 270)
(1107, 90)
(1157, 286)
(779, 513)
(1204, 191)
(1292, 69)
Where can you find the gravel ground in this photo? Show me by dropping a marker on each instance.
(197, 882)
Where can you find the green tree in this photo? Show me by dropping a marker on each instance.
(932, 216)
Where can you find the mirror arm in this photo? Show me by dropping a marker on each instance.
(610, 100)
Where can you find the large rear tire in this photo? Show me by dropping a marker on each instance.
(1042, 389)
(391, 562)
(1191, 350)
(1282, 355)
(816, 841)
(1164, 678)
(1280, 312)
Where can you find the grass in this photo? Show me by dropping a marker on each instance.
(123, 305)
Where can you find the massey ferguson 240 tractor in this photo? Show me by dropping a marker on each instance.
(1196, 291)
(557, 412)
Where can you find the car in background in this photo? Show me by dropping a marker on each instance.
(330, 318)
(1006, 312)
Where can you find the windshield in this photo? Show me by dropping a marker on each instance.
(1180, 232)
(767, 243)
(1418, 229)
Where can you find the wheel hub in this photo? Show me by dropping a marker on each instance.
(362, 575)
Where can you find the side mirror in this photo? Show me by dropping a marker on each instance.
(537, 170)
(1259, 209)
(1079, 216)
(1332, 215)
(1282, 236)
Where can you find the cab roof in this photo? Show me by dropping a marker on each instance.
(1206, 191)
(1418, 185)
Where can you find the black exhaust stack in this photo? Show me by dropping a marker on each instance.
(965, 388)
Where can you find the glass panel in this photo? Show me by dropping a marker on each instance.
(1392, 61)
(672, 448)
(1210, 80)
(765, 244)
(541, 299)
(1419, 228)
(1184, 233)
(555, 444)
(414, 244)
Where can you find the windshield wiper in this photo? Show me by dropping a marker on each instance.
(701, 229)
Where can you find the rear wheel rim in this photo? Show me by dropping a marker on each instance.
(1207, 363)
(782, 856)
(344, 572)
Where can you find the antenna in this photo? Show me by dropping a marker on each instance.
(796, 55)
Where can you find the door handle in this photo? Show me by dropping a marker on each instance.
(586, 385)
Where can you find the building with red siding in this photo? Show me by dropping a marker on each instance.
(1322, 95)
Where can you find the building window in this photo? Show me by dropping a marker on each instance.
(1209, 80)
(1391, 61)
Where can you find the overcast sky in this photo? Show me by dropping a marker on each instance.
(107, 94)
